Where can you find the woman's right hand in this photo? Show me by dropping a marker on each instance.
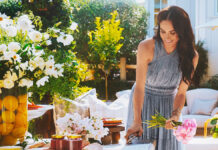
(135, 129)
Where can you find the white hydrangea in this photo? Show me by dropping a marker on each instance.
(35, 36)
(11, 31)
(75, 124)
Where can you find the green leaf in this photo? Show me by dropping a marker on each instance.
(213, 121)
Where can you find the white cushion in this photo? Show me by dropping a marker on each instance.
(200, 119)
(201, 93)
(185, 110)
(120, 93)
(203, 107)
(215, 111)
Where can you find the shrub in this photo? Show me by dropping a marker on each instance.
(202, 66)
(10, 7)
(50, 12)
(132, 18)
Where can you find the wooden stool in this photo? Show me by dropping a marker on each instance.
(113, 136)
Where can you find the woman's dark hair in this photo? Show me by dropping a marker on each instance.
(185, 45)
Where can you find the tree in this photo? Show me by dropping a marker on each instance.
(105, 44)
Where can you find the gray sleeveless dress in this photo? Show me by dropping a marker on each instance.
(163, 78)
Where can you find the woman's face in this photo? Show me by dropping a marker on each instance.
(168, 34)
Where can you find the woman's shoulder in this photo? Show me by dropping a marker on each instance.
(146, 48)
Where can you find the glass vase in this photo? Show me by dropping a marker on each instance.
(13, 115)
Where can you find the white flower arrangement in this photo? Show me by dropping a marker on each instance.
(23, 61)
(75, 124)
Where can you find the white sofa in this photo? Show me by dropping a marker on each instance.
(202, 104)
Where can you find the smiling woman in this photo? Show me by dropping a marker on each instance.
(165, 65)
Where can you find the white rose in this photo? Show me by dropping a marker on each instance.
(73, 26)
(35, 36)
(46, 36)
(11, 31)
(48, 42)
(3, 48)
(14, 46)
(65, 39)
(24, 23)
(8, 83)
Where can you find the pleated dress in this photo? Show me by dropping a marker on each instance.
(162, 81)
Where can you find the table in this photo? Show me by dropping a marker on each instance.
(114, 135)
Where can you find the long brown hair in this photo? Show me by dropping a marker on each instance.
(185, 45)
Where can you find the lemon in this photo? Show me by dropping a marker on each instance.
(22, 98)
(10, 103)
(8, 116)
(19, 132)
(6, 128)
(9, 140)
(22, 107)
(0, 104)
(21, 119)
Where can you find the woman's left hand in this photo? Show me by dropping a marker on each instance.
(168, 124)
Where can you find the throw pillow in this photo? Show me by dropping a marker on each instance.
(203, 107)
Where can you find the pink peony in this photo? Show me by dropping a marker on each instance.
(186, 131)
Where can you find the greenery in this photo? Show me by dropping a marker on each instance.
(50, 11)
(202, 66)
(104, 43)
(113, 87)
(132, 18)
(10, 7)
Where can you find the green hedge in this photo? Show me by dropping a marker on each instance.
(113, 87)
(10, 7)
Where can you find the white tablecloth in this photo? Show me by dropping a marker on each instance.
(32, 114)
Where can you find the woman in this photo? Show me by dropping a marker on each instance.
(165, 66)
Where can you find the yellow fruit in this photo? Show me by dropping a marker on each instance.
(10, 103)
(22, 98)
(19, 132)
(9, 140)
(8, 116)
(0, 119)
(6, 128)
(0, 104)
(22, 107)
(21, 119)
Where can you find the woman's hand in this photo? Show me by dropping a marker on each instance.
(135, 129)
(174, 117)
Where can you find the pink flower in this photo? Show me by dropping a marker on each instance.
(186, 131)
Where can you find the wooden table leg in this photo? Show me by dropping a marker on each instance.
(115, 137)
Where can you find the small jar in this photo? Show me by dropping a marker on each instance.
(75, 142)
(57, 142)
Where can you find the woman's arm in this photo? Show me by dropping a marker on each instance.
(144, 57)
(180, 97)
